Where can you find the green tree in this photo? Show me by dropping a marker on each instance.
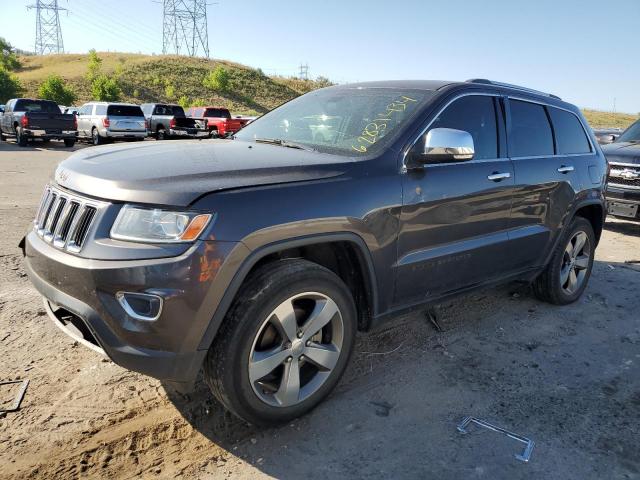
(8, 58)
(53, 88)
(183, 101)
(218, 79)
(9, 85)
(94, 68)
(170, 92)
(105, 89)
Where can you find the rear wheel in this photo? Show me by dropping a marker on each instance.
(284, 344)
(161, 134)
(96, 138)
(567, 274)
(69, 142)
(21, 138)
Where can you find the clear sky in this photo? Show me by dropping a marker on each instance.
(586, 51)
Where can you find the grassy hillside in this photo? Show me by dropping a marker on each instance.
(147, 78)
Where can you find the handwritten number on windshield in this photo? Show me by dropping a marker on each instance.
(376, 128)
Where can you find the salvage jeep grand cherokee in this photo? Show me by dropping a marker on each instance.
(260, 257)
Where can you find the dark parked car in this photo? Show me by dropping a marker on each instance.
(261, 257)
(27, 119)
(169, 121)
(605, 136)
(623, 188)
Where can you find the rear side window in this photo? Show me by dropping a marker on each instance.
(474, 114)
(124, 111)
(217, 112)
(530, 130)
(101, 110)
(570, 136)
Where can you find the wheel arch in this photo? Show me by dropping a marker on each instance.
(594, 212)
(346, 254)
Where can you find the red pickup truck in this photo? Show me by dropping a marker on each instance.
(217, 120)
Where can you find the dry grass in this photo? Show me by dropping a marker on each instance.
(599, 119)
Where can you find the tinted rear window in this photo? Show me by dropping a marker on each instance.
(124, 111)
(36, 106)
(570, 136)
(530, 130)
(217, 112)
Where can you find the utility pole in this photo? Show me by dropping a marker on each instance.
(48, 31)
(304, 71)
(184, 27)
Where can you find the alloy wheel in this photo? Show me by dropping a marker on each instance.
(575, 262)
(296, 349)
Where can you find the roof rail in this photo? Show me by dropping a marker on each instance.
(484, 81)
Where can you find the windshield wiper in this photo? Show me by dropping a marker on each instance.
(284, 143)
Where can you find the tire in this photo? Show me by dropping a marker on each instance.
(69, 142)
(96, 139)
(21, 139)
(161, 134)
(214, 133)
(2, 137)
(252, 321)
(556, 283)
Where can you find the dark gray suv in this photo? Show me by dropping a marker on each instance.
(260, 257)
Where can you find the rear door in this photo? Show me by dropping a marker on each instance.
(455, 216)
(126, 118)
(545, 176)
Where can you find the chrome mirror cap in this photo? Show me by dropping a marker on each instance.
(448, 144)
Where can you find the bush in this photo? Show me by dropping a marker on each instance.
(9, 86)
(218, 79)
(184, 102)
(8, 59)
(53, 88)
(105, 89)
(95, 66)
(170, 92)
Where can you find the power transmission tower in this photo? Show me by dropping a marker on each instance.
(48, 31)
(184, 27)
(304, 71)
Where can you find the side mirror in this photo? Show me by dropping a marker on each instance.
(442, 145)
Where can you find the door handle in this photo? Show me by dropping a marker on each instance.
(498, 177)
(565, 169)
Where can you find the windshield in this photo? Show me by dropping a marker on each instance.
(631, 134)
(345, 121)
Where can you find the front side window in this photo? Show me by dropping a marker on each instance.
(570, 136)
(346, 121)
(530, 134)
(631, 134)
(476, 115)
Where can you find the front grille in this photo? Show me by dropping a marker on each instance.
(635, 182)
(65, 219)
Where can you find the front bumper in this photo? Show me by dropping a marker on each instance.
(623, 202)
(167, 348)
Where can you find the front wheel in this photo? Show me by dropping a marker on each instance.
(566, 276)
(284, 344)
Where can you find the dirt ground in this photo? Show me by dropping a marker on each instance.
(566, 377)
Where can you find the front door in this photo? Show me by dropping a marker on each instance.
(455, 216)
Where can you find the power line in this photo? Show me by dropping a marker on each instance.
(184, 26)
(48, 31)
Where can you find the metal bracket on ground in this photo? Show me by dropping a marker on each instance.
(19, 395)
(528, 449)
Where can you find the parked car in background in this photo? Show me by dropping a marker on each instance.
(28, 118)
(169, 121)
(259, 258)
(100, 122)
(217, 120)
(605, 136)
(73, 110)
(623, 186)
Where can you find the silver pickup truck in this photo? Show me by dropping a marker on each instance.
(167, 121)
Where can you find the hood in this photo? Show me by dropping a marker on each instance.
(178, 172)
(622, 152)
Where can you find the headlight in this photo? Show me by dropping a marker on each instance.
(158, 226)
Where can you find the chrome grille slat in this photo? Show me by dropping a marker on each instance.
(64, 219)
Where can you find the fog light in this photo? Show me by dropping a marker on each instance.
(141, 306)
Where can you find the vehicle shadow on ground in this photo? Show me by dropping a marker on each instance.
(624, 227)
(11, 146)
